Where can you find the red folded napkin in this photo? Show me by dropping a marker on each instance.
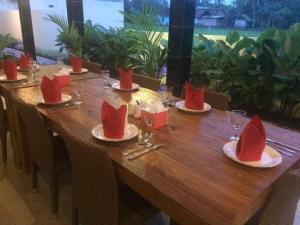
(125, 78)
(10, 69)
(76, 63)
(252, 141)
(113, 120)
(194, 98)
(64, 80)
(24, 61)
(51, 90)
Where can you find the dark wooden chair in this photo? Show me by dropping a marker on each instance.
(47, 152)
(96, 195)
(146, 82)
(91, 66)
(3, 131)
(217, 100)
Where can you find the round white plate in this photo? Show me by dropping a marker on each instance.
(116, 86)
(19, 78)
(83, 70)
(181, 105)
(270, 156)
(131, 131)
(64, 98)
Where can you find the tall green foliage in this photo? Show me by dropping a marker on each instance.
(262, 76)
(68, 38)
(5, 40)
(150, 48)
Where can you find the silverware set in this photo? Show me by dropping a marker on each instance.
(67, 106)
(283, 148)
(143, 147)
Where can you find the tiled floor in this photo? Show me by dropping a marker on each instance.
(20, 206)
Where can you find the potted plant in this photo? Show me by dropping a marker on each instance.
(5, 40)
(150, 49)
(69, 40)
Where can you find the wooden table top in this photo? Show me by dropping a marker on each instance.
(190, 179)
(44, 70)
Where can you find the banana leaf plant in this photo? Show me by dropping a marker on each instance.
(150, 48)
(68, 38)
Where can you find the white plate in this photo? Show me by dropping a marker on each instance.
(64, 98)
(270, 156)
(83, 70)
(116, 86)
(19, 78)
(181, 105)
(131, 131)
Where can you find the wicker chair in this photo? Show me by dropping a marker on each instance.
(3, 131)
(48, 153)
(146, 82)
(215, 99)
(281, 207)
(91, 66)
(95, 195)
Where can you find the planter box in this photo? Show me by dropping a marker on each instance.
(91, 66)
(146, 82)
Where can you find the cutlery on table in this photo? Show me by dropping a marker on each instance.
(269, 141)
(67, 106)
(284, 152)
(147, 150)
(136, 148)
(281, 147)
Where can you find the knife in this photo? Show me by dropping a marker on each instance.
(269, 141)
(138, 154)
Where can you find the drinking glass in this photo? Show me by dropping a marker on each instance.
(105, 74)
(60, 62)
(33, 68)
(77, 91)
(148, 116)
(237, 120)
(166, 93)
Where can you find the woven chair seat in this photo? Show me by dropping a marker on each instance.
(134, 210)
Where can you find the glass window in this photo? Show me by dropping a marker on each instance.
(104, 12)
(45, 32)
(10, 24)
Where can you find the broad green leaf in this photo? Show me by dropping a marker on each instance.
(232, 37)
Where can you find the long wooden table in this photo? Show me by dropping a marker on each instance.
(190, 179)
(19, 147)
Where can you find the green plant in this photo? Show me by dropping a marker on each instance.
(5, 40)
(261, 76)
(150, 48)
(68, 38)
(115, 49)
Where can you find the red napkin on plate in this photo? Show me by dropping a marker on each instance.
(113, 120)
(252, 141)
(194, 97)
(125, 78)
(76, 63)
(51, 90)
(24, 61)
(10, 69)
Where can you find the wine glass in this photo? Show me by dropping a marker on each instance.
(148, 116)
(32, 69)
(60, 62)
(77, 91)
(166, 93)
(105, 74)
(237, 120)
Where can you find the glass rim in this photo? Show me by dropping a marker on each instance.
(240, 112)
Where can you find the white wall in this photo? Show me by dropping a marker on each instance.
(10, 23)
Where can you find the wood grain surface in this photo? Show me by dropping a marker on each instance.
(190, 179)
